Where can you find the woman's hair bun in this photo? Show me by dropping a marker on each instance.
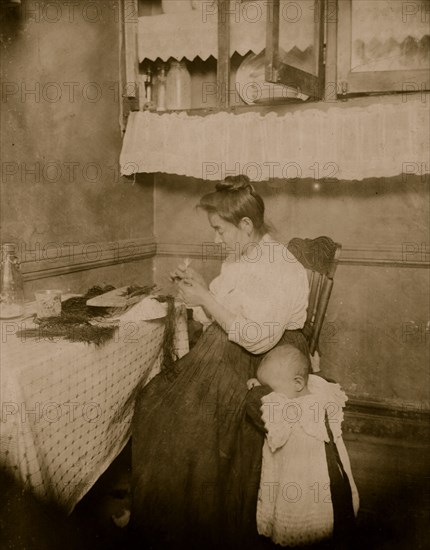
(235, 183)
(235, 199)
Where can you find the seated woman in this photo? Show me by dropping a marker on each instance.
(196, 459)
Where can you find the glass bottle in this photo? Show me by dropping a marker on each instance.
(142, 91)
(161, 89)
(146, 89)
(148, 86)
(178, 86)
(11, 291)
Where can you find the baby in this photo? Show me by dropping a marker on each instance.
(307, 492)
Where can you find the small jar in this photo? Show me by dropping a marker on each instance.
(178, 86)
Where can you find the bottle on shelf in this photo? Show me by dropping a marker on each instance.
(178, 86)
(11, 292)
(161, 88)
(148, 84)
(146, 91)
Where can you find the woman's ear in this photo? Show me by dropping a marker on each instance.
(246, 225)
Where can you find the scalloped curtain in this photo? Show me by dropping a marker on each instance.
(344, 142)
(194, 33)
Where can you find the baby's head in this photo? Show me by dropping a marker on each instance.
(285, 369)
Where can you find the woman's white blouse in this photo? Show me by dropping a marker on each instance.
(267, 288)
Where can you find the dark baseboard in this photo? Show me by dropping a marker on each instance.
(383, 420)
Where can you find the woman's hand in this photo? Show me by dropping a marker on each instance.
(192, 292)
(183, 271)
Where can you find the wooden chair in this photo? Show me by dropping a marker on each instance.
(320, 257)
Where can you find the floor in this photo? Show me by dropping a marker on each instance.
(392, 479)
(394, 486)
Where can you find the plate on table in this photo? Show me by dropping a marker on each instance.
(116, 298)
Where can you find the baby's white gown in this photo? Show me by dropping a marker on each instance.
(294, 505)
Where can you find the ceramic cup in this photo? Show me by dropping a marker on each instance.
(48, 303)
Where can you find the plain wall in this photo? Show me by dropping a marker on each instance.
(61, 136)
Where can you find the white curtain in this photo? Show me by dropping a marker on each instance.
(193, 33)
(351, 140)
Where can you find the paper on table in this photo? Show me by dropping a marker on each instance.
(147, 309)
(114, 298)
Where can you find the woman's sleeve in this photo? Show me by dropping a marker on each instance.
(272, 299)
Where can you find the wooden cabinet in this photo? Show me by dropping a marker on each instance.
(383, 46)
(228, 46)
(259, 135)
(269, 52)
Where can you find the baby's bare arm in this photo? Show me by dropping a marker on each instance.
(252, 383)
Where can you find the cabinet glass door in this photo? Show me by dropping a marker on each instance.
(295, 45)
(383, 45)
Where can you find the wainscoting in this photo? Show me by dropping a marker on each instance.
(410, 254)
(74, 266)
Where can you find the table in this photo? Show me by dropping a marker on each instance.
(66, 408)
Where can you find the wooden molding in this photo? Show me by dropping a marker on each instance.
(385, 420)
(54, 259)
(407, 254)
(201, 251)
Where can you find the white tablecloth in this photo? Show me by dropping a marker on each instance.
(66, 408)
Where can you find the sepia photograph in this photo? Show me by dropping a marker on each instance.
(215, 274)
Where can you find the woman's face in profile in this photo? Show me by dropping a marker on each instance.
(227, 233)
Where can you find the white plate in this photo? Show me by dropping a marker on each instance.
(255, 90)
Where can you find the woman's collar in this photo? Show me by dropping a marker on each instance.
(248, 254)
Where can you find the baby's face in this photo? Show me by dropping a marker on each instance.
(278, 375)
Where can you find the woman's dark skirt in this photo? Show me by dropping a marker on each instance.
(196, 456)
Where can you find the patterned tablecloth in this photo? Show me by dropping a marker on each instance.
(66, 408)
